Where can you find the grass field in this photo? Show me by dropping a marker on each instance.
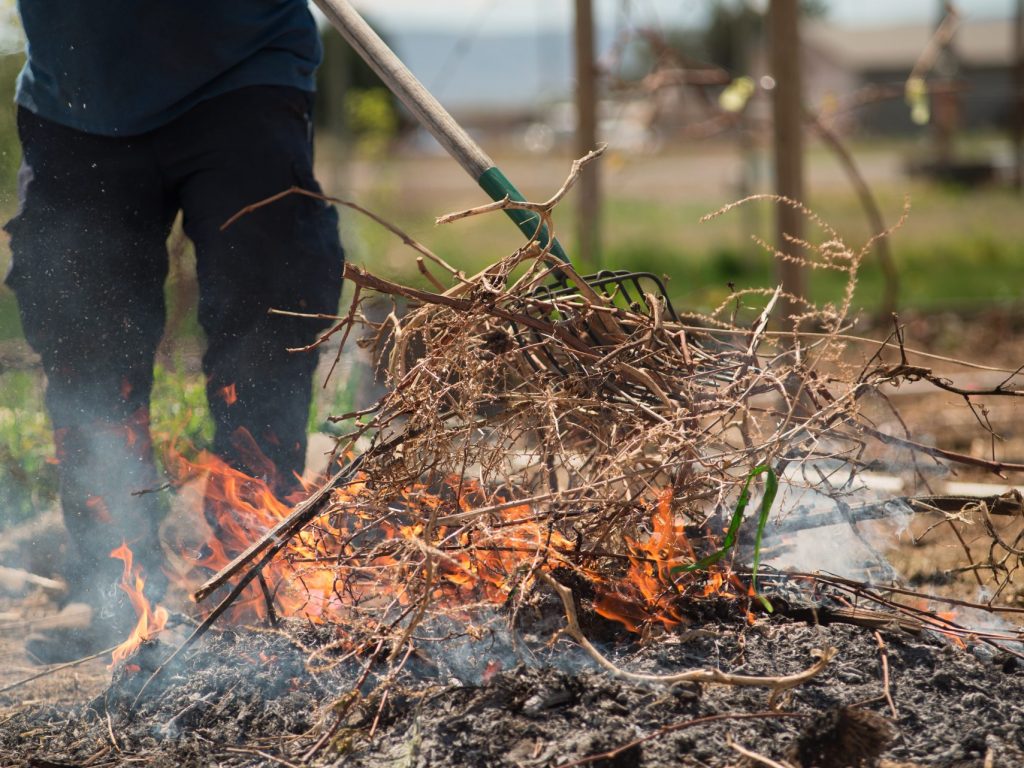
(959, 248)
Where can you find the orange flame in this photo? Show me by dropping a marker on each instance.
(240, 509)
(325, 574)
(151, 621)
(951, 615)
(651, 591)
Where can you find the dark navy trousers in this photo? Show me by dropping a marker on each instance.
(89, 265)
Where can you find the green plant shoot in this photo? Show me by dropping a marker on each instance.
(771, 489)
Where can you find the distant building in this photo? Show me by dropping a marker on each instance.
(838, 61)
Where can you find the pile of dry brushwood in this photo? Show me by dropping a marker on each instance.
(536, 420)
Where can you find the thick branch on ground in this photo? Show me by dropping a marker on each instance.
(776, 684)
(997, 467)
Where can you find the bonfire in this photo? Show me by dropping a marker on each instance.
(571, 533)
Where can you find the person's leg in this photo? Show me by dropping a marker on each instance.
(229, 152)
(89, 261)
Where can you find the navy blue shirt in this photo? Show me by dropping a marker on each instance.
(124, 67)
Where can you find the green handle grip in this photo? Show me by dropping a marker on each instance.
(498, 187)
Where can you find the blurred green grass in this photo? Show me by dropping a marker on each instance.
(959, 250)
(28, 477)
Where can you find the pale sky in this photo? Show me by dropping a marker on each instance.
(519, 15)
(478, 48)
(495, 16)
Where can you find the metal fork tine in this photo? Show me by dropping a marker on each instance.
(623, 289)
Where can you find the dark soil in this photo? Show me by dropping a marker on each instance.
(249, 698)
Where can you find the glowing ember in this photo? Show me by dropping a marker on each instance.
(948, 617)
(229, 394)
(151, 621)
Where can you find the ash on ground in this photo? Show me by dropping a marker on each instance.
(252, 698)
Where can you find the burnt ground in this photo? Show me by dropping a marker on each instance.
(247, 697)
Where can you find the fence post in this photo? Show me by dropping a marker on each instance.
(788, 118)
(588, 188)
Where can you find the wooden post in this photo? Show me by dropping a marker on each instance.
(946, 102)
(1018, 98)
(787, 109)
(588, 188)
(746, 39)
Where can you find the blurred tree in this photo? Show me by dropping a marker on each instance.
(10, 148)
(588, 190)
(352, 102)
(733, 25)
(731, 28)
(1018, 107)
(372, 120)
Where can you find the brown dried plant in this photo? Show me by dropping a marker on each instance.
(529, 428)
(555, 424)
